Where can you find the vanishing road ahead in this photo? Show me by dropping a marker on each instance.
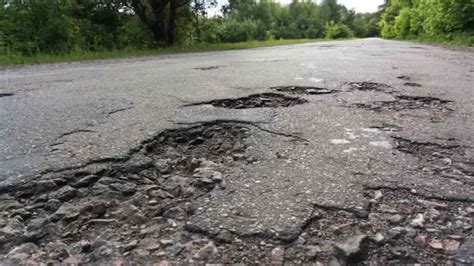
(360, 140)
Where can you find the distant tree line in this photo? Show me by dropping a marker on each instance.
(29, 27)
(436, 20)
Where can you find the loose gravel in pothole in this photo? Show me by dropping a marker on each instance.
(405, 102)
(303, 90)
(134, 210)
(272, 100)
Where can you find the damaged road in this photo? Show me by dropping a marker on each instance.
(235, 165)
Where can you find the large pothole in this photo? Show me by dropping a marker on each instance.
(303, 90)
(405, 102)
(260, 100)
(135, 209)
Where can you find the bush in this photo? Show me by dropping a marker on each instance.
(337, 31)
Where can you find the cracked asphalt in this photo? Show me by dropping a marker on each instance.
(325, 153)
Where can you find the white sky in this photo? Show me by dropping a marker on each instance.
(361, 6)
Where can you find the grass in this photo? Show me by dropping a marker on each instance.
(15, 59)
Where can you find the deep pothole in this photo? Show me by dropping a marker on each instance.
(405, 102)
(260, 100)
(303, 90)
(138, 207)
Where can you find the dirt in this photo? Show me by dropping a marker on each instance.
(303, 90)
(260, 100)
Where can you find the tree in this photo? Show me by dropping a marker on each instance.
(159, 16)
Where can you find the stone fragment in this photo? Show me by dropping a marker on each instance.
(208, 252)
(277, 256)
(418, 221)
(63, 194)
(353, 249)
(85, 181)
(174, 249)
(436, 244)
(37, 229)
(396, 219)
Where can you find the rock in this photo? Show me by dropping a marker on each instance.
(395, 232)
(158, 193)
(289, 234)
(131, 245)
(432, 204)
(166, 242)
(162, 165)
(85, 181)
(436, 244)
(378, 238)
(126, 188)
(353, 250)
(465, 254)
(137, 163)
(396, 219)
(277, 256)
(102, 253)
(208, 252)
(23, 251)
(174, 249)
(418, 221)
(175, 213)
(175, 185)
(224, 236)
(421, 239)
(465, 226)
(432, 214)
(52, 205)
(377, 195)
(13, 227)
(37, 229)
(451, 245)
(208, 174)
(63, 194)
(82, 246)
(313, 251)
(67, 212)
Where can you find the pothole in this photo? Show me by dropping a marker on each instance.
(138, 207)
(303, 90)
(405, 102)
(6, 94)
(207, 68)
(446, 160)
(412, 84)
(401, 228)
(256, 101)
(368, 86)
(403, 77)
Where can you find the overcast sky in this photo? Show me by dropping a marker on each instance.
(360, 6)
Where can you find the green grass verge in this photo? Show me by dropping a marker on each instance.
(15, 59)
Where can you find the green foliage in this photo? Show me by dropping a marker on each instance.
(56, 27)
(433, 20)
(337, 31)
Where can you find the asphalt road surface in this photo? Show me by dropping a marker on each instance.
(339, 142)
